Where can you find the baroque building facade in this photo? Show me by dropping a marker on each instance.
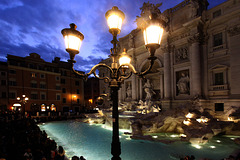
(198, 58)
(49, 86)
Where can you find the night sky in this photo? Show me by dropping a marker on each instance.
(28, 26)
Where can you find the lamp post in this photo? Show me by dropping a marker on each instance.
(23, 100)
(153, 31)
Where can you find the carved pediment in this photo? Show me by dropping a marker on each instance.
(219, 66)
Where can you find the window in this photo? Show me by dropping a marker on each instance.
(63, 73)
(218, 79)
(63, 90)
(77, 83)
(58, 87)
(217, 39)
(58, 97)
(43, 96)
(78, 101)
(12, 95)
(63, 81)
(219, 106)
(57, 78)
(42, 76)
(34, 96)
(4, 95)
(217, 13)
(64, 100)
(42, 85)
(33, 75)
(78, 91)
(33, 84)
(11, 71)
(3, 73)
(3, 82)
(12, 83)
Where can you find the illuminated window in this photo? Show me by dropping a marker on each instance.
(33, 75)
(43, 107)
(53, 108)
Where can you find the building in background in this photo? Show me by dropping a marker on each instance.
(3, 86)
(49, 86)
(91, 92)
(198, 58)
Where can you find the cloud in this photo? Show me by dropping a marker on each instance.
(35, 26)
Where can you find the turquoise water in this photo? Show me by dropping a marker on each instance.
(94, 143)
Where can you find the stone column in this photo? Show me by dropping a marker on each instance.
(234, 48)
(195, 65)
(141, 88)
(161, 86)
(134, 88)
(167, 72)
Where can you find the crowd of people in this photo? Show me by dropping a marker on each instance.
(22, 139)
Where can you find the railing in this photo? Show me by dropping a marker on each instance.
(179, 6)
(219, 87)
(217, 48)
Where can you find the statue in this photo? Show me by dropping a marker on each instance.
(182, 84)
(148, 90)
(194, 8)
(129, 91)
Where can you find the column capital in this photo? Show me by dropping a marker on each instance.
(196, 38)
(167, 48)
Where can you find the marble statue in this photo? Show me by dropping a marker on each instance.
(148, 88)
(182, 84)
(129, 91)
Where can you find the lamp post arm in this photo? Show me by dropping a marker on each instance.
(151, 62)
(93, 71)
(94, 68)
(133, 70)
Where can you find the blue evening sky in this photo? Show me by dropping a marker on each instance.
(29, 26)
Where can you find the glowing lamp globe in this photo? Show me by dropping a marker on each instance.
(153, 35)
(115, 19)
(73, 40)
(124, 58)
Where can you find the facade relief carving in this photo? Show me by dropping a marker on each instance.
(181, 55)
(131, 43)
(183, 82)
(196, 38)
(175, 38)
(234, 31)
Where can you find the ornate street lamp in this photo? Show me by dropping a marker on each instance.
(23, 100)
(152, 31)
